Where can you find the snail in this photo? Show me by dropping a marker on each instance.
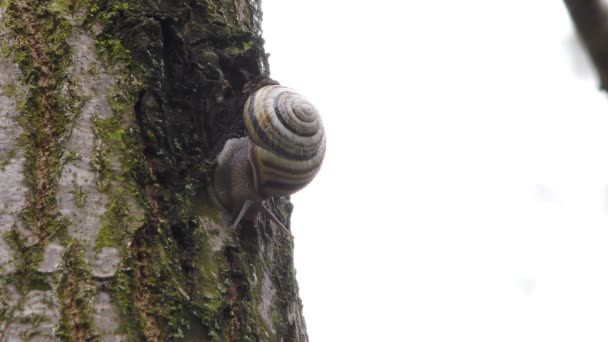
(281, 154)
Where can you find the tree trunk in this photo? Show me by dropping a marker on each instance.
(590, 18)
(111, 115)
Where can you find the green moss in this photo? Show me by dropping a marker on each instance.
(59, 6)
(44, 112)
(15, 240)
(122, 289)
(107, 237)
(107, 14)
(5, 49)
(214, 214)
(5, 160)
(103, 167)
(27, 257)
(75, 291)
(114, 50)
(80, 196)
(240, 48)
(212, 275)
(38, 43)
(114, 224)
(9, 89)
(71, 156)
(38, 281)
(93, 71)
(117, 143)
(118, 138)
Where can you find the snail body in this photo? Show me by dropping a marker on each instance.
(281, 154)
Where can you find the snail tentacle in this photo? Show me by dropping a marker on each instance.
(242, 213)
(276, 220)
(266, 210)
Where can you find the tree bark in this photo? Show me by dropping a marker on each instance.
(590, 17)
(111, 116)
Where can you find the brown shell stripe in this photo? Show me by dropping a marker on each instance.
(281, 140)
(275, 175)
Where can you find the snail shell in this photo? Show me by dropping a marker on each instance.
(282, 152)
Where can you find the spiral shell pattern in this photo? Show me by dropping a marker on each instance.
(288, 140)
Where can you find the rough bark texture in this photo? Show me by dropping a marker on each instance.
(111, 114)
(590, 17)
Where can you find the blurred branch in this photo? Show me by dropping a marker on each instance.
(591, 22)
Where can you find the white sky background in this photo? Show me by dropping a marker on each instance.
(463, 195)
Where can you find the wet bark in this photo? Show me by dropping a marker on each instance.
(111, 116)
